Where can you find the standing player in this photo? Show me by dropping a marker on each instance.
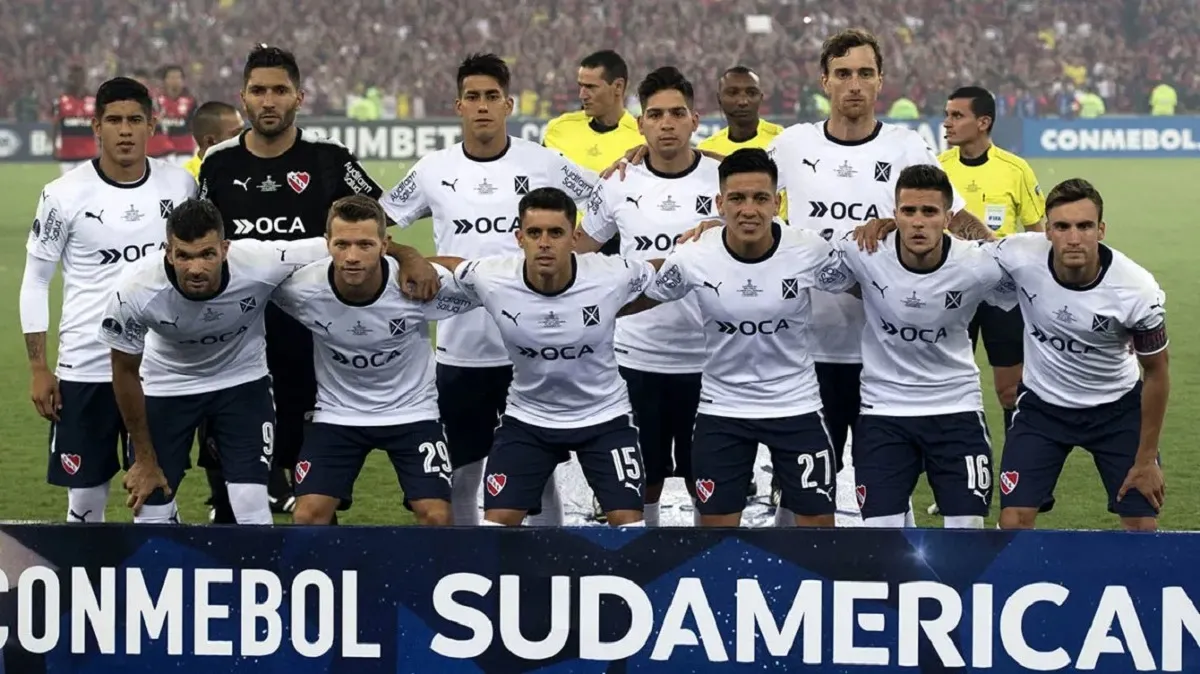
(1092, 317)
(660, 352)
(603, 130)
(94, 220)
(176, 107)
(472, 189)
(1001, 190)
(375, 371)
(214, 122)
(752, 278)
(922, 409)
(556, 312)
(275, 182)
(71, 134)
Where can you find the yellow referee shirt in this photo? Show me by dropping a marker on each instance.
(193, 166)
(573, 135)
(999, 188)
(719, 143)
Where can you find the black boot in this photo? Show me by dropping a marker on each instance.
(280, 491)
(220, 512)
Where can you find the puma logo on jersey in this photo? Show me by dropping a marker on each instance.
(98, 217)
(509, 316)
(323, 326)
(1028, 296)
(715, 288)
(244, 183)
(171, 323)
(880, 289)
(811, 164)
(634, 201)
(451, 185)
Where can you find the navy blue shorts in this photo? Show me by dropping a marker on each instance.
(840, 402)
(471, 401)
(88, 440)
(525, 456)
(333, 457)
(1003, 334)
(664, 409)
(1041, 436)
(723, 456)
(953, 450)
(242, 420)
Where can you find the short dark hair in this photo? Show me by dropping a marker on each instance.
(193, 219)
(748, 160)
(925, 177)
(548, 199)
(123, 89)
(1072, 190)
(484, 64)
(266, 56)
(983, 103)
(207, 118)
(168, 69)
(664, 79)
(840, 44)
(357, 208)
(614, 66)
(739, 70)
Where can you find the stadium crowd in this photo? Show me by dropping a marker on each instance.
(1033, 54)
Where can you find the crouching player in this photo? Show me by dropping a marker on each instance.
(374, 367)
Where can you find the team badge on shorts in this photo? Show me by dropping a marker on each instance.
(495, 483)
(704, 490)
(1008, 481)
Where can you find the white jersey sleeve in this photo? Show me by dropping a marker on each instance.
(599, 220)
(674, 279)
(450, 300)
(51, 229)
(836, 275)
(569, 177)
(406, 202)
(124, 324)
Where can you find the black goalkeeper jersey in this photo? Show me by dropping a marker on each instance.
(281, 199)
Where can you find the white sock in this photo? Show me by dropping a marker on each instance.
(784, 518)
(552, 507)
(87, 504)
(651, 513)
(489, 523)
(633, 525)
(464, 494)
(910, 519)
(158, 514)
(963, 522)
(885, 522)
(250, 503)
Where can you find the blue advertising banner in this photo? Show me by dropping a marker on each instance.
(1112, 137)
(88, 599)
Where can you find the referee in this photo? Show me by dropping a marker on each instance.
(276, 182)
(1001, 190)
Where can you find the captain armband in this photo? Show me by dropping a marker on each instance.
(1151, 341)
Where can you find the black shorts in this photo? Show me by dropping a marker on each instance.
(333, 456)
(88, 440)
(243, 425)
(953, 450)
(612, 246)
(471, 401)
(293, 381)
(801, 454)
(1041, 436)
(664, 409)
(840, 402)
(525, 456)
(1003, 334)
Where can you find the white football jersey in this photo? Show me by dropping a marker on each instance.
(917, 354)
(564, 371)
(1079, 341)
(374, 361)
(650, 210)
(96, 228)
(190, 346)
(474, 207)
(832, 187)
(756, 321)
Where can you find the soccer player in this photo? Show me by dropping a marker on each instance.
(275, 182)
(71, 134)
(661, 351)
(473, 189)
(375, 370)
(1092, 317)
(556, 312)
(95, 220)
(214, 122)
(176, 107)
(752, 279)
(922, 409)
(600, 133)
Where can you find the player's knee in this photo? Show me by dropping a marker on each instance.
(432, 512)
(816, 520)
(1018, 518)
(314, 511)
(620, 518)
(1139, 524)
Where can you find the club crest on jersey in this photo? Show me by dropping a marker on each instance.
(359, 330)
(883, 171)
(860, 493)
(301, 471)
(165, 206)
(791, 289)
(1102, 323)
(668, 205)
(1064, 315)
(953, 299)
(495, 483)
(913, 302)
(298, 181)
(704, 205)
(70, 463)
(397, 326)
(551, 321)
(705, 489)
(845, 170)
(247, 304)
(749, 290)
(132, 214)
(485, 188)
(521, 184)
(210, 315)
(591, 315)
(269, 185)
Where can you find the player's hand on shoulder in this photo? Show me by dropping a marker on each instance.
(633, 155)
(694, 233)
(870, 234)
(418, 278)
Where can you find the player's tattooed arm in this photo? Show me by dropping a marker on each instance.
(418, 279)
(35, 349)
(145, 476)
(964, 225)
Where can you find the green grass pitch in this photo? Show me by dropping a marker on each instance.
(1149, 206)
